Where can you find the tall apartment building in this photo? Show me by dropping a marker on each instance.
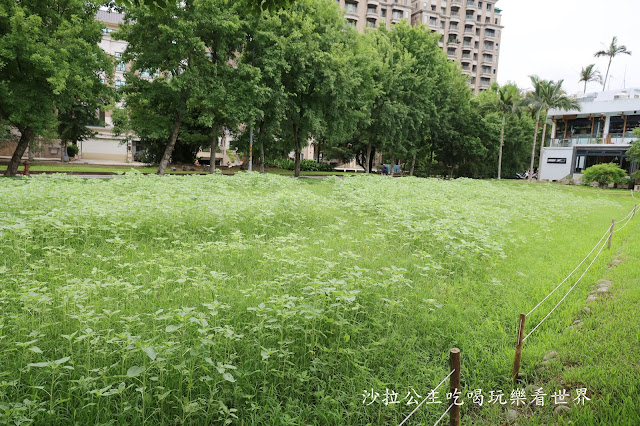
(470, 29)
(373, 13)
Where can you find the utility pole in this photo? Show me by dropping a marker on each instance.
(253, 58)
(251, 149)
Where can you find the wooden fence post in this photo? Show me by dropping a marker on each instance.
(454, 385)
(613, 225)
(516, 359)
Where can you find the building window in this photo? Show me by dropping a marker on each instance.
(119, 84)
(383, 13)
(351, 7)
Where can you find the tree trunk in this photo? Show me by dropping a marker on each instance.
(30, 152)
(501, 146)
(371, 157)
(533, 149)
(606, 76)
(544, 135)
(413, 164)
(172, 143)
(367, 161)
(298, 149)
(262, 148)
(213, 144)
(26, 137)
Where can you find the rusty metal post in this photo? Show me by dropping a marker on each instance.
(454, 386)
(519, 341)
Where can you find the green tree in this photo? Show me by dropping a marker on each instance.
(546, 94)
(231, 93)
(430, 82)
(634, 150)
(162, 6)
(589, 73)
(612, 51)
(505, 100)
(309, 32)
(50, 69)
(167, 45)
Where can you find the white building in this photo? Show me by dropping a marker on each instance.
(601, 132)
(105, 145)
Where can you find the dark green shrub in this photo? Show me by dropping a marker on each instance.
(305, 165)
(635, 177)
(604, 174)
(72, 150)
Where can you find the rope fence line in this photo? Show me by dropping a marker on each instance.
(521, 325)
(454, 391)
(425, 400)
(629, 217)
(565, 296)
(444, 414)
(569, 276)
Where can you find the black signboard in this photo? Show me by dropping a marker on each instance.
(557, 160)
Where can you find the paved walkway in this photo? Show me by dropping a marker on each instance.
(86, 162)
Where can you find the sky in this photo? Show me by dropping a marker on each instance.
(555, 39)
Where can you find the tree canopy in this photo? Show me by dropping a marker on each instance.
(51, 69)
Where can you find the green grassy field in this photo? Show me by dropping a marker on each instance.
(267, 300)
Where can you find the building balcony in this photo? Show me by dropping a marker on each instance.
(490, 36)
(351, 15)
(471, 3)
(454, 43)
(375, 3)
(454, 18)
(455, 30)
(372, 14)
(466, 56)
(470, 20)
(397, 16)
(611, 139)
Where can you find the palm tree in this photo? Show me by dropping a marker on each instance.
(590, 74)
(613, 51)
(546, 94)
(504, 100)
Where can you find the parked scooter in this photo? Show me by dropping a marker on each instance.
(525, 175)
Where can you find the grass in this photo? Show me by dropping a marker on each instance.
(268, 300)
